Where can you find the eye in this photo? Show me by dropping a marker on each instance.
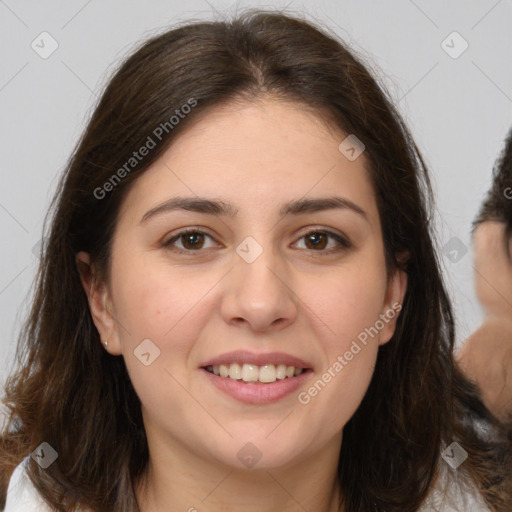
(317, 240)
(192, 240)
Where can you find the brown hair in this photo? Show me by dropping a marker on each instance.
(72, 394)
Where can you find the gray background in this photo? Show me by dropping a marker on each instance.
(459, 109)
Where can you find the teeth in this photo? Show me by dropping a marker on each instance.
(281, 372)
(251, 373)
(268, 373)
(235, 371)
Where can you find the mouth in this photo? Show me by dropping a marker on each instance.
(254, 374)
(257, 379)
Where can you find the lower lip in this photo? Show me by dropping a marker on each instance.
(258, 393)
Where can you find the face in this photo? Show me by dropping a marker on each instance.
(280, 278)
(493, 269)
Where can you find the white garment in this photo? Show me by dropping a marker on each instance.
(23, 497)
(451, 495)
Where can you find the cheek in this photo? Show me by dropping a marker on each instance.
(156, 300)
(349, 305)
(157, 303)
(340, 385)
(348, 301)
(163, 305)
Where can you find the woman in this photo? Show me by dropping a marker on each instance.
(264, 325)
(486, 357)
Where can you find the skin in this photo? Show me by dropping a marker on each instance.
(486, 356)
(294, 298)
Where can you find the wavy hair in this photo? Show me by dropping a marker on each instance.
(71, 393)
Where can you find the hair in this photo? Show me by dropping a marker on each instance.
(71, 393)
(497, 205)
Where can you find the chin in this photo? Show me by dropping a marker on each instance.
(253, 451)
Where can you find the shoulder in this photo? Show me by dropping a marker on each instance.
(22, 496)
(453, 494)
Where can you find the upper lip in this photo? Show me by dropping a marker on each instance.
(244, 357)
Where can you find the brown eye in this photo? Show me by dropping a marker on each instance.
(188, 241)
(319, 240)
(316, 240)
(192, 240)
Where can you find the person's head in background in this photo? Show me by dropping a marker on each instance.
(109, 416)
(492, 234)
(486, 356)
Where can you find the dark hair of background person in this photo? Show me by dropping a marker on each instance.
(69, 392)
(497, 205)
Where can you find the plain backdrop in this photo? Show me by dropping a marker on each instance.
(457, 103)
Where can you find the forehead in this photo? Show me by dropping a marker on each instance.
(258, 154)
(262, 130)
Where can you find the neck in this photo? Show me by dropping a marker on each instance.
(179, 480)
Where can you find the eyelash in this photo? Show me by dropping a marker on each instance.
(344, 243)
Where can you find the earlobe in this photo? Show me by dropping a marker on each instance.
(99, 301)
(395, 293)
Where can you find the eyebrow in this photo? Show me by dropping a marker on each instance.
(218, 207)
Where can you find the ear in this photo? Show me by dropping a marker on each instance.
(100, 303)
(395, 293)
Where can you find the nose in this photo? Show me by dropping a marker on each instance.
(259, 295)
